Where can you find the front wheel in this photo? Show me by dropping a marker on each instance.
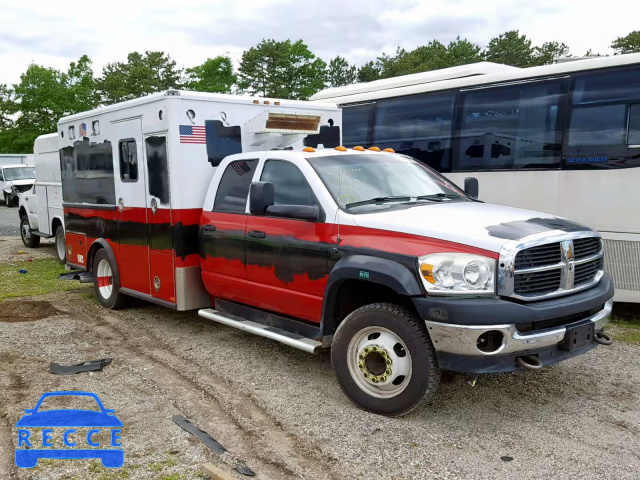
(105, 281)
(61, 247)
(28, 238)
(384, 360)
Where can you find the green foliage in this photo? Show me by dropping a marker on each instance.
(549, 52)
(369, 72)
(510, 48)
(281, 70)
(140, 75)
(627, 44)
(215, 75)
(340, 72)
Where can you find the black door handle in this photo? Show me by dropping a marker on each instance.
(257, 234)
(209, 228)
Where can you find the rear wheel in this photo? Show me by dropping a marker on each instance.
(105, 281)
(384, 360)
(61, 247)
(28, 239)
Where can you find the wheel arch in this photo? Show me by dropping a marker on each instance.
(102, 244)
(22, 212)
(55, 223)
(361, 279)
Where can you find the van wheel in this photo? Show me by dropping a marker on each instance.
(28, 239)
(5, 198)
(105, 281)
(384, 359)
(61, 245)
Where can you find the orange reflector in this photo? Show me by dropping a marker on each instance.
(375, 149)
(390, 150)
(266, 102)
(308, 149)
(256, 101)
(341, 148)
(276, 103)
(359, 148)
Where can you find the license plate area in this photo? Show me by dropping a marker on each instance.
(578, 336)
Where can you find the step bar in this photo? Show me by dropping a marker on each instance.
(291, 339)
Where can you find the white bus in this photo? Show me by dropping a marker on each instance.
(563, 139)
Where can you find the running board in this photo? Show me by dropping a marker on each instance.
(282, 336)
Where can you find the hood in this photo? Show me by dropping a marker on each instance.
(476, 224)
(17, 183)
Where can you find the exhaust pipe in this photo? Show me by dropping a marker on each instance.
(530, 362)
(602, 338)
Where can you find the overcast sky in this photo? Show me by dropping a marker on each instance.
(53, 33)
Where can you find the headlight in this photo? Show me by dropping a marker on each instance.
(458, 274)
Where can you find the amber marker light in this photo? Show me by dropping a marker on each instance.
(308, 149)
(374, 149)
(427, 272)
(359, 148)
(390, 150)
(341, 148)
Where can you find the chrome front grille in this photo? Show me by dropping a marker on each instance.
(551, 266)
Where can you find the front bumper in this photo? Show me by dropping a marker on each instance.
(456, 343)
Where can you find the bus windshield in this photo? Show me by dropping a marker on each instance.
(19, 173)
(375, 179)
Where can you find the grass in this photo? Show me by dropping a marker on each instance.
(625, 323)
(41, 278)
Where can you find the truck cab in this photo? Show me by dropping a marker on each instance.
(15, 179)
(398, 270)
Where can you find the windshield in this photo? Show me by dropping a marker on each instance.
(19, 173)
(375, 180)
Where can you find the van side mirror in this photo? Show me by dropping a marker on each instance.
(260, 197)
(471, 187)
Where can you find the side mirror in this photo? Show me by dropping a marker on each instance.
(260, 197)
(471, 187)
(301, 212)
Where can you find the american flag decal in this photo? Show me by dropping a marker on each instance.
(192, 134)
(82, 131)
(241, 167)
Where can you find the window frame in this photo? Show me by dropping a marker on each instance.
(246, 203)
(372, 113)
(120, 159)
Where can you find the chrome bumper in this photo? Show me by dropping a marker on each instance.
(462, 339)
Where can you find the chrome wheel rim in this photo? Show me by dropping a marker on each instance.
(379, 362)
(104, 279)
(60, 246)
(26, 232)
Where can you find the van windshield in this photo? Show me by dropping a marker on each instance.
(19, 173)
(370, 181)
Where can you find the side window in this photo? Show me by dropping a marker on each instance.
(511, 127)
(356, 122)
(158, 169)
(233, 189)
(87, 173)
(128, 161)
(418, 126)
(289, 185)
(634, 125)
(598, 125)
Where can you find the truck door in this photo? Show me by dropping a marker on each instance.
(158, 202)
(287, 259)
(130, 179)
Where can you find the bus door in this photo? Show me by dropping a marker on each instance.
(158, 202)
(132, 249)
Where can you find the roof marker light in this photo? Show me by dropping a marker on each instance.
(341, 148)
(256, 101)
(266, 102)
(390, 150)
(359, 148)
(374, 149)
(276, 103)
(308, 149)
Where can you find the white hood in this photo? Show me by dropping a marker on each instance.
(17, 183)
(475, 224)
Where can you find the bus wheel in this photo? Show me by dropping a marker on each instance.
(105, 281)
(384, 360)
(29, 239)
(61, 245)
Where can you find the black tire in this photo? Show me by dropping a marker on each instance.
(28, 239)
(109, 298)
(407, 327)
(5, 197)
(7, 201)
(61, 245)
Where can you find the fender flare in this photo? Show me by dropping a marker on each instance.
(382, 271)
(102, 243)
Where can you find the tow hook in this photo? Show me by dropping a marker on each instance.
(530, 362)
(602, 338)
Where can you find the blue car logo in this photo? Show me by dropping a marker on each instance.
(28, 452)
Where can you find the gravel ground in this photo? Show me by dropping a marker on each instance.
(282, 412)
(9, 221)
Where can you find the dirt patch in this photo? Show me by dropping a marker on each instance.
(29, 311)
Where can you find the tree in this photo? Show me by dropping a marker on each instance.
(340, 72)
(510, 48)
(82, 86)
(215, 75)
(281, 70)
(7, 110)
(140, 75)
(549, 52)
(627, 44)
(369, 72)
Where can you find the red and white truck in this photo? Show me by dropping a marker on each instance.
(194, 201)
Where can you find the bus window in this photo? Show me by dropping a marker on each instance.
(418, 126)
(598, 125)
(356, 121)
(634, 125)
(511, 127)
